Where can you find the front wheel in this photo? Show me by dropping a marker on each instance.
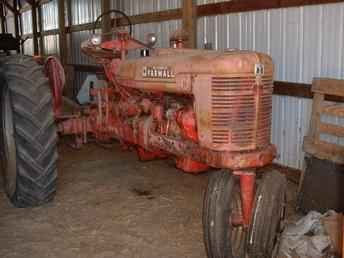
(224, 237)
(268, 215)
(222, 203)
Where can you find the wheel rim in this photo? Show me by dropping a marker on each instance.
(238, 232)
(9, 156)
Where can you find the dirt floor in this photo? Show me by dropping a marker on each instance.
(111, 205)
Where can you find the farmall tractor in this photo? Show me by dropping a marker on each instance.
(209, 110)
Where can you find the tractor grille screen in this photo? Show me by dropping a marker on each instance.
(241, 112)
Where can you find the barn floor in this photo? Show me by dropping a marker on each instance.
(111, 205)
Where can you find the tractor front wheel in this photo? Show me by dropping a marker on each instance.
(268, 216)
(222, 203)
(224, 234)
(28, 138)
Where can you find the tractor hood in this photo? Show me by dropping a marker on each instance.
(173, 70)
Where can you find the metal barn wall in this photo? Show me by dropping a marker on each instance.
(50, 21)
(27, 28)
(304, 42)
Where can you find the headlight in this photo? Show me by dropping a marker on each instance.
(96, 39)
(151, 39)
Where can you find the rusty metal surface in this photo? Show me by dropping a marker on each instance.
(247, 192)
(56, 75)
(234, 112)
(231, 160)
(108, 119)
(207, 108)
(216, 63)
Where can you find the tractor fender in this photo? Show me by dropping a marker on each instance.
(56, 75)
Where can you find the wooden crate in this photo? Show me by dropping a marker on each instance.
(321, 184)
(312, 143)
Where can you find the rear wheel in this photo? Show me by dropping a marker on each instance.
(27, 132)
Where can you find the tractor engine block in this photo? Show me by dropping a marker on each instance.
(132, 118)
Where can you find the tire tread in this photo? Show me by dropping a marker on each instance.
(35, 132)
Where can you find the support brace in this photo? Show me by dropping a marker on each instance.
(247, 192)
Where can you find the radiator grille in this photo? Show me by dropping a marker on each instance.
(241, 118)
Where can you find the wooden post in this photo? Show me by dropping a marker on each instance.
(21, 27)
(40, 24)
(16, 17)
(190, 22)
(62, 30)
(34, 27)
(69, 70)
(16, 21)
(3, 18)
(106, 19)
(69, 37)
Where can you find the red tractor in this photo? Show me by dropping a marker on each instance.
(209, 110)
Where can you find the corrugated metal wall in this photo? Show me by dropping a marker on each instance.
(304, 42)
(50, 21)
(27, 28)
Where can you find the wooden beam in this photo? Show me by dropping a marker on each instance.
(236, 6)
(328, 86)
(40, 25)
(68, 4)
(34, 27)
(21, 28)
(16, 17)
(300, 90)
(190, 22)
(3, 19)
(293, 89)
(172, 14)
(62, 32)
(106, 19)
(16, 21)
(69, 71)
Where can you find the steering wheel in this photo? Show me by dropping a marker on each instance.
(110, 12)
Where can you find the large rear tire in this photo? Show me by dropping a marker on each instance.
(27, 132)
